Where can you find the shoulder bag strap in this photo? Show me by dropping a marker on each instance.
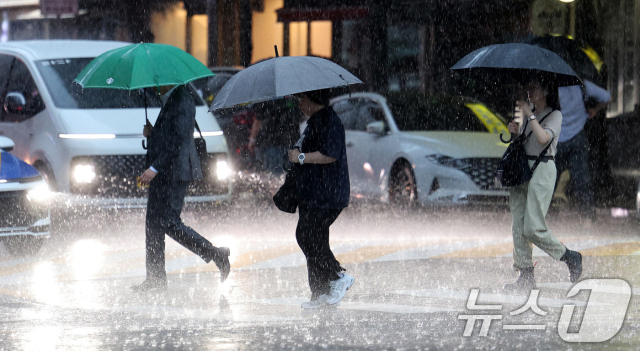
(535, 165)
(198, 128)
(544, 151)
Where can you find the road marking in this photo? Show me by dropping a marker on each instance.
(297, 259)
(244, 259)
(250, 258)
(369, 253)
(564, 286)
(619, 249)
(424, 252)
(485, 297)
(131, 263)
(170, 312)
(581, 245)
(483, 251)
(359, 306)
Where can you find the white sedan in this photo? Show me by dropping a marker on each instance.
(406, 149)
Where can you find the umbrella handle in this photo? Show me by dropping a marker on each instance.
(144, 145)
(506, 142)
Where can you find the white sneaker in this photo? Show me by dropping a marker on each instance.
(321, 302)
(339, 288)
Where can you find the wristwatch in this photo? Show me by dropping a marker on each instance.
(301, 158)
(532, 117)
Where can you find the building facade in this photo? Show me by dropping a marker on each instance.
(392, 45)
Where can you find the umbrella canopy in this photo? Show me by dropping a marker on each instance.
(281, 76)
(140, 66)
(514, 63)
(570, 52)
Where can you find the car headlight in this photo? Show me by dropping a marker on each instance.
(39, 193)
(223, 171)
(439, 159)
(84, 173)
(447, 161)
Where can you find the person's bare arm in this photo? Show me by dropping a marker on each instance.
(541, 135)
(311, 157)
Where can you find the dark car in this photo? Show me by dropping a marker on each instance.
(235, 124)
(209, 87)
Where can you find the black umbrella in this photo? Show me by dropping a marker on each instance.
(514, 63)
(570, 52)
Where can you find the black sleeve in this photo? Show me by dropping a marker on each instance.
(334, 140)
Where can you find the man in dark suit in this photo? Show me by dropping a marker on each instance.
(173, 163)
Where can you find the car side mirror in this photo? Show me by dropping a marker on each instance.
(6, 144)
(15, 102)
(376, 128)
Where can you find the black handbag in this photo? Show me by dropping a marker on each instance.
(513, 169)
(201, 149)
(286, 199)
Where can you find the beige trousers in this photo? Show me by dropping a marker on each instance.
(529, 203)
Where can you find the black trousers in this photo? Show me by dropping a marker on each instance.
(312, 235)
(163, 217)
(573, 155)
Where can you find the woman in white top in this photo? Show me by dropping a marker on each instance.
(530, 201)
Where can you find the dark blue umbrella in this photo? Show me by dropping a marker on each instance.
(514, 63)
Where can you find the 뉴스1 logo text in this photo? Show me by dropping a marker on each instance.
(603, 315)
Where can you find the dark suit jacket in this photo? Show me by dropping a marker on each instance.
(172, 149)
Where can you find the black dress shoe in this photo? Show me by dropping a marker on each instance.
(221, 259)
(150, 285)
(525, 283)
(573, 259)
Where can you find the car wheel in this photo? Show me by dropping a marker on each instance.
(47, 174)
(23, 245)
(403, 193)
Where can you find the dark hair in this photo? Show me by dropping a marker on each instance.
(320, 97)
(549, 82)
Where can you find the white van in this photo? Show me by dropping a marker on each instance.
(87, 143)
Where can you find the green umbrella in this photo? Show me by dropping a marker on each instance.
(140, 66)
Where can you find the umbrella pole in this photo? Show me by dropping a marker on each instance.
(144, 92)
(145, 106)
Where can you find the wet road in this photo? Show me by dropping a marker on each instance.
(413, 276)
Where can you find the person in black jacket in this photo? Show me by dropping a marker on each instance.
(173, 163)
(323, 191)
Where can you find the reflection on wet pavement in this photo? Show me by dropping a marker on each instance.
(413, 277)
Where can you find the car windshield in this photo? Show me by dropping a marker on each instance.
(414, 112)
(58, 75)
